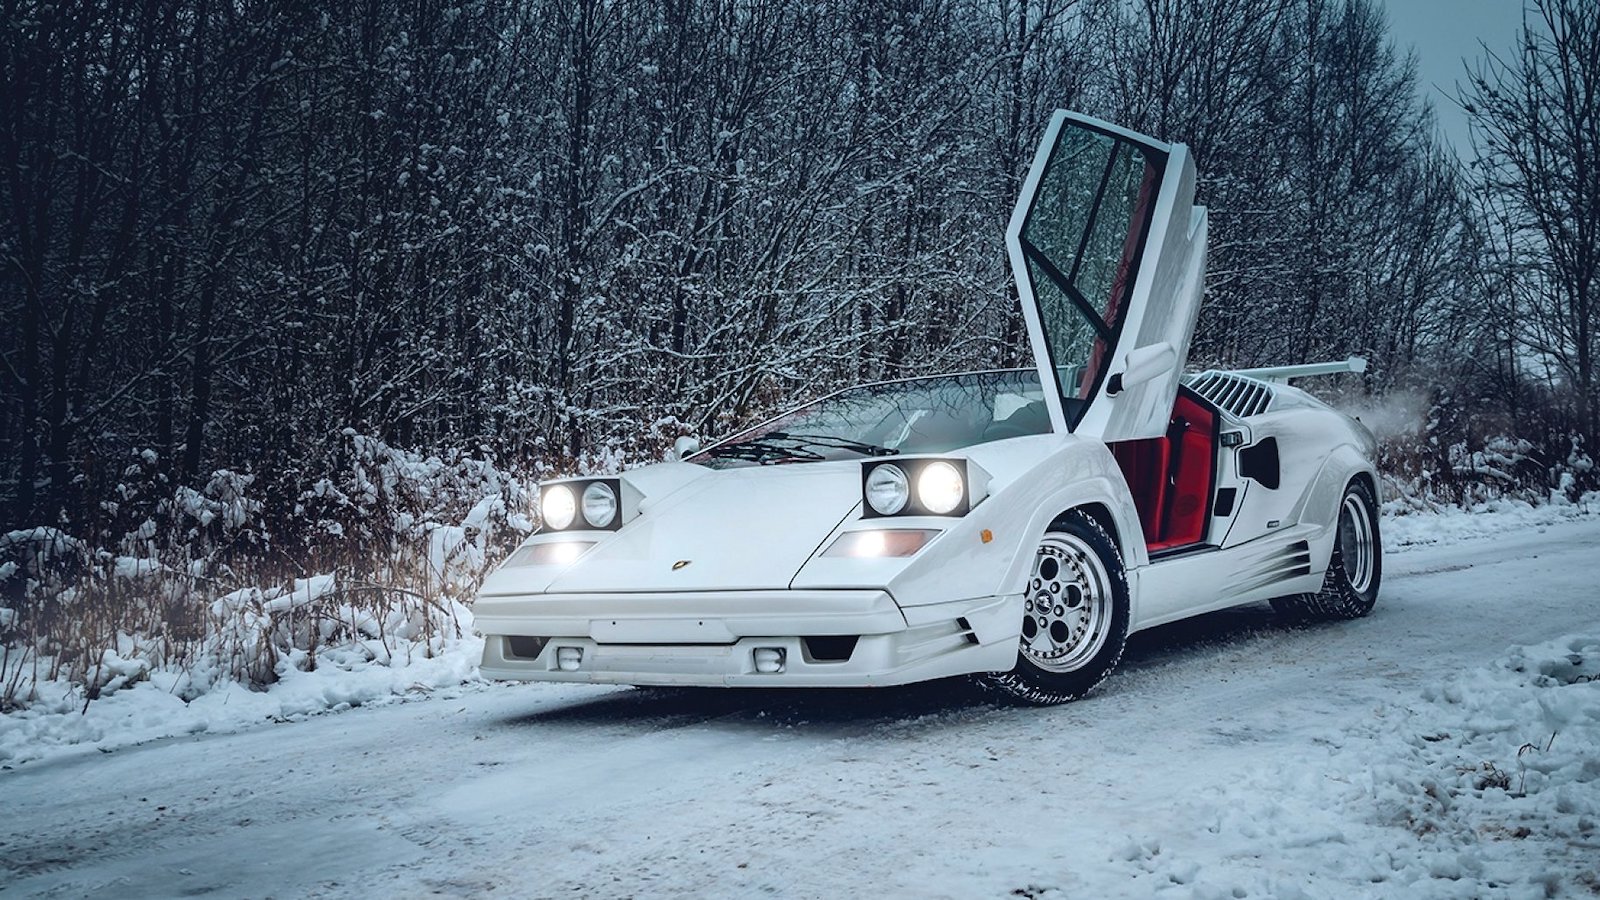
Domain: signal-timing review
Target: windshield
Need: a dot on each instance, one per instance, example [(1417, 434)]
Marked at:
[(922, 415)]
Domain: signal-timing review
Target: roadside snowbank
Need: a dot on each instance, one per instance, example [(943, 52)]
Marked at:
[(1487, 784), (142, 705), (151, 709), (1406, 525)]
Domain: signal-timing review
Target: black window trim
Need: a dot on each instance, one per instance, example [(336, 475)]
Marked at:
[(1094, 212), (1076, 296), (1160, 159)]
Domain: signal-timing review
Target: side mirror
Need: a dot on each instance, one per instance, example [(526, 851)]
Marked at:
[(1141, 365), (682, 447)]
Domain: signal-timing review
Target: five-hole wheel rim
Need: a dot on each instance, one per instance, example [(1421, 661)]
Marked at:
[(1067, 609)]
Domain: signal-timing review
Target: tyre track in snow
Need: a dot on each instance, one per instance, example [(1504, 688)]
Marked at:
[(931, 791)]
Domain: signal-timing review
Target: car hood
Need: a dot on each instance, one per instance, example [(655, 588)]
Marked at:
[(731, 529)]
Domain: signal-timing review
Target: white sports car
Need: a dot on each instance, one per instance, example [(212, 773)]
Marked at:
[(1015, 524)]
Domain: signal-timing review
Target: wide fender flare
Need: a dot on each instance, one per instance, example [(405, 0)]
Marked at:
[(1319, 505), (991, 550), (1103, 487)]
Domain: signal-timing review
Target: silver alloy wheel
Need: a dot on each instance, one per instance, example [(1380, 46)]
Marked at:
[(1067, 613), (1356, 542)]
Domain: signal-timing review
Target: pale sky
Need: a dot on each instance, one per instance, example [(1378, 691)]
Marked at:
[(1442, 32)]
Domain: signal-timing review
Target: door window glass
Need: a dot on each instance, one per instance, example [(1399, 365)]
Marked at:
[(1082, 240)]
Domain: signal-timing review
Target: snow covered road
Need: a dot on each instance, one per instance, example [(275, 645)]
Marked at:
[(1232, 756)]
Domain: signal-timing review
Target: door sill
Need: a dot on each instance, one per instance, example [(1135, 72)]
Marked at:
[(1167, 553)]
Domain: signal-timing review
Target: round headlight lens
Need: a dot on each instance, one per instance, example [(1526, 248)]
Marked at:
[(940, 487), (558, 506), (887, 490), (599, 504)]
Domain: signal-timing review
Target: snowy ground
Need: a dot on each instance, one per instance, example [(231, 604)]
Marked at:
[(1448, 746)]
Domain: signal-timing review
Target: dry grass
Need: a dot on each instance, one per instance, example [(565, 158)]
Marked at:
[(373, 562)]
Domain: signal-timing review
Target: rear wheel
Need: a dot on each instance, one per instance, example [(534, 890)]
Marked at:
[(1355, 569), (1075, 615)]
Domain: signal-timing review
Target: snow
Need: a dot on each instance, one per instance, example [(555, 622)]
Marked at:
[(1446, 746), (131, 567), (1407, 522), (1484, 785), (305, 591), (153, 709), (43, 542)]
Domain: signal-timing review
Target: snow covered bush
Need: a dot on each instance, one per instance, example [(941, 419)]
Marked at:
[(372, 561), (1433, 455)]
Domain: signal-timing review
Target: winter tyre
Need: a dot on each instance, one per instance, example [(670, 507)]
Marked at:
[(1355, 569), (1075, 620)]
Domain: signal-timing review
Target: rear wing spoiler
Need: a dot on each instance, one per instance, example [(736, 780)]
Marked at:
[(1282, 374)]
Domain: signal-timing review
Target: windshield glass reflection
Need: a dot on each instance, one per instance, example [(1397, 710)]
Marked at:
[(921, 415)]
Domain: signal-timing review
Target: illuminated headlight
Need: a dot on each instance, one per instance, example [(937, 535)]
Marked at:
[(941, 488), (594, 504), (922, 487), (887, 489), (599, 504), (558, 506)]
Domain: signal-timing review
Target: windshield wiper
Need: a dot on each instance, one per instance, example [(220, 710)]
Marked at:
[(837, 443), (760, 451), (765, 451)]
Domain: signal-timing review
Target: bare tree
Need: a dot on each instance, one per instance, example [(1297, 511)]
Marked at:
[(525, 227), (1536, 134)]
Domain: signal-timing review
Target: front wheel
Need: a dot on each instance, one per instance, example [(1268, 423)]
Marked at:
[(1075, 615), (1355, 567)]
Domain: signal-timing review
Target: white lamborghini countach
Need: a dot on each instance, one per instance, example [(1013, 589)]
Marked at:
[(1016, 525)]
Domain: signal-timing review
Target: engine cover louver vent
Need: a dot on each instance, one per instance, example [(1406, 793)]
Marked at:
[(1237, 394)]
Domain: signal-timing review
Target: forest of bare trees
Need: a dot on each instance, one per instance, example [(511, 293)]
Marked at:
[(1535, 109), (233, 230), (237, 239)]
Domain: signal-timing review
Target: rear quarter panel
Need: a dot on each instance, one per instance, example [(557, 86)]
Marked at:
[(1319, 450)]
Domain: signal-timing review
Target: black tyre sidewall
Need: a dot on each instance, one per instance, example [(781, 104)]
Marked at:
[(1338, 598), (1032, 684), (1363, 600)]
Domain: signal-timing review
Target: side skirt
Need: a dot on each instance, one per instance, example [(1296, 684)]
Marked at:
[(1290, 561)]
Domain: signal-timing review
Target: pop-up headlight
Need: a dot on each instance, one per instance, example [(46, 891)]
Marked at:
[(599, 504), (558, 506), (921, 487), (588, 504), (887, 490), (941, 488)]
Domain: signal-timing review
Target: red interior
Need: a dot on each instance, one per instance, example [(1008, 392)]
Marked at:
[(1119, 285), (1170, 477)]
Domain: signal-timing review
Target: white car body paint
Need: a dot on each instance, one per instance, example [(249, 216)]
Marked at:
[(713, 564)]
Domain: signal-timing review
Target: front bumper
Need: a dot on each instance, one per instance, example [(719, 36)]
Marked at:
[(711, 638)]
